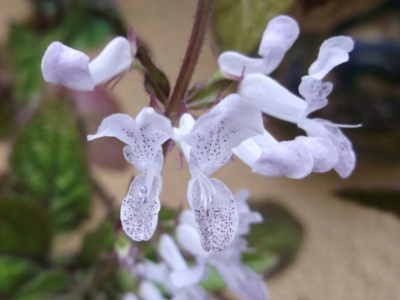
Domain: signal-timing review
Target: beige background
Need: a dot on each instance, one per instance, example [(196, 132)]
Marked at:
[(349, 252)]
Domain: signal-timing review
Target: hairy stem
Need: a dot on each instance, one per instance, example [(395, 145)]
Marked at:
[(199, 31)]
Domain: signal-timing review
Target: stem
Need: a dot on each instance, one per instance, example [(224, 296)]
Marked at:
[(199, 31)]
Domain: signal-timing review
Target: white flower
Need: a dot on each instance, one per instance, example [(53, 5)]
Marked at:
[(278, 37), (71, 68), (207, 144), (326, 147), (144, 137)]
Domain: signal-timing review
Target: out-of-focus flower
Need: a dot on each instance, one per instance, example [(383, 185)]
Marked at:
[(71, 68)]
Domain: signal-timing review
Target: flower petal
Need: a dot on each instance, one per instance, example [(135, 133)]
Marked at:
[(182, 278), (237, 65), (278, 37), (68, 67), (272, 98), (325, 129), (148, 291), (193, 292), (291, 159), (246, 216), (218, 222), (115, 58), (139, 214), (170, 253), (223, 128), (189, 239), (332, 53), (324, 153), (314, 92)]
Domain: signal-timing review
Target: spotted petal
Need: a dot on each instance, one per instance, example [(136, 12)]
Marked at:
[(218, 221), (227, 125), (291, 159), (272, 98), (325, 129), (68, 67), (139, 214), (278, 37), (332, 53), (314, 92)]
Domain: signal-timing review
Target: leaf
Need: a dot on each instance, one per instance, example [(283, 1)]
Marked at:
[(276, 241), (383, 198), (48, 161), (14, 271), (239, 25), (155, 81), (45, 284), (203, 95), (214, 281), (24, 229), (96, 243)]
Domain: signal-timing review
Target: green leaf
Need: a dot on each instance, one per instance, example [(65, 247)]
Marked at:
[(155, 81), (14, 271), (48, 160), (214, 282), (206, 94), (24, 229), (96, 243), (276, 241), (384, 198), (239, 25), (43, 286)]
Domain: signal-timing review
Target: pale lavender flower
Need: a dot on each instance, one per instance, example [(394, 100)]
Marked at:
[(207, 144), (144, 137), (326, 147), (71, 68), (278, 37)]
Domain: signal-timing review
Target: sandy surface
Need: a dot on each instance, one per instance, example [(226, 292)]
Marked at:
[(349, 252)]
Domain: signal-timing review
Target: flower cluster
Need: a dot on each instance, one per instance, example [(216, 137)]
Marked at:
[(234, 125)]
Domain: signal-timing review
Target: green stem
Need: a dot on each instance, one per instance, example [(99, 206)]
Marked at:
[(199, 31)]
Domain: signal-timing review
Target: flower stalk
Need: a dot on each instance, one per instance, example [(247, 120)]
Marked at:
[(199, 31)]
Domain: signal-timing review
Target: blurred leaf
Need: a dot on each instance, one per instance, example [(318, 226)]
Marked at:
[(202, 95), (49, 162), (96, 243), (24, 229), (14, 271), (239, 25), (214, 282), (43, 286), (384, 198), (155, 81), (276, 241)]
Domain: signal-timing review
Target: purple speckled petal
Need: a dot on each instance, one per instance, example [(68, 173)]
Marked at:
[(139, 213), (314, 91), (217, 221)]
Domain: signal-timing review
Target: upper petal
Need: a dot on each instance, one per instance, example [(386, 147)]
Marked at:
[(68, 67), (139, 213), (115, 58), (272, 98), (237, 65), (332, 53), (278, 37), (223, 128), (218, 221)]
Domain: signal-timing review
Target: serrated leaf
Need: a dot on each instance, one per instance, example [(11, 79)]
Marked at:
[(384, 198), (14, 271), (276, 241), (239, 25), (155, 82), (43, 286), (24, 229), (48, 161)]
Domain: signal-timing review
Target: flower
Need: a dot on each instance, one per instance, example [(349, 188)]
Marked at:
[(239, 278), (326, 147), (144, 137), (71, 68), (278, 37), (207, 144)]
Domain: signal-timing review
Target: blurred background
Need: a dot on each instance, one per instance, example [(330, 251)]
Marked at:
[(323, 237)]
